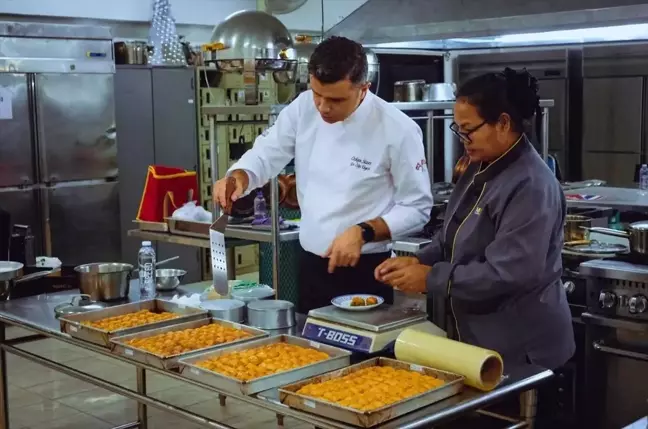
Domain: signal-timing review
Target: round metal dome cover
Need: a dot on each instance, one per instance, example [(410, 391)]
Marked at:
[(251, 34)]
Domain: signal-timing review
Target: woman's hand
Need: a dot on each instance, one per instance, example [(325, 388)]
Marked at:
[(409, 279), (393, 264)]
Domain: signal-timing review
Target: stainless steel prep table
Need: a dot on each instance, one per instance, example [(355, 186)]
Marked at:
[(36, 314)]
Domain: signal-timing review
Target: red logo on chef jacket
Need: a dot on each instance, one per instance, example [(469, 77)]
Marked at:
[(421, 165)]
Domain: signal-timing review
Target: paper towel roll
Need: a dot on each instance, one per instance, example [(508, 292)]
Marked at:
[(482, 368)]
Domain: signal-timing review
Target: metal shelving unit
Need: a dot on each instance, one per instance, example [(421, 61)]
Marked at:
[(431, 106)]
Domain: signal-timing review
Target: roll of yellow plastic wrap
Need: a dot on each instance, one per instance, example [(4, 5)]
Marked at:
[(482, 368)]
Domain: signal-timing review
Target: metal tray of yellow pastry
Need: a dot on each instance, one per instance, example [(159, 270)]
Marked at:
[(121, 346), (453, 384), (338, 358), (75, 327)]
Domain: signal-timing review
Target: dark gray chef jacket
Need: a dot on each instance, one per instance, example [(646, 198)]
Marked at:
[(498, 260)]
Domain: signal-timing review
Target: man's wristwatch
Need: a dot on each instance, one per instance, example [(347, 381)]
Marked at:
[(368, 233)]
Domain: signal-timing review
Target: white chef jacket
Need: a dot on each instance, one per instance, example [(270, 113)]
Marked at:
[(370, 165)]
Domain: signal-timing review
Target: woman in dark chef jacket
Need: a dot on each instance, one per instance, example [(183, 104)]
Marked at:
[(497, 258)]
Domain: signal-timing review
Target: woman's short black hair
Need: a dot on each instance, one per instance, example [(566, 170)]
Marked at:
[(338, 58), (514, 92)]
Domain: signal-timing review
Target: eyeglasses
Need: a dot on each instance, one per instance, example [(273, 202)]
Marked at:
[(464, 136)]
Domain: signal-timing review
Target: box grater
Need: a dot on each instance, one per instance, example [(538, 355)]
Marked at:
[(219, 255)]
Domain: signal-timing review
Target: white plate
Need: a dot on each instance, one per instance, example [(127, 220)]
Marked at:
[(344, 302)]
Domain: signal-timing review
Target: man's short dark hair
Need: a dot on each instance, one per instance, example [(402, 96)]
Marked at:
[(338, 58)]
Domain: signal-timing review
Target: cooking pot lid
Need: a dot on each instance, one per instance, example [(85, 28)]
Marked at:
[(598, 248), (79, 304), (9, 270), (643, 225)]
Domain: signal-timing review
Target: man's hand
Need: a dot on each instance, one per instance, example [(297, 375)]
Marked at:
[(229, 189), (393, 264), (408, 279), (346, 249)]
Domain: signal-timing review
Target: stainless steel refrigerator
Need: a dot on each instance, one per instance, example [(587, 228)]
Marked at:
[(58, 150)]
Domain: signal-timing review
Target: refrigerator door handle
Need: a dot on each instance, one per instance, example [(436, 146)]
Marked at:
[(47, 230), (39, 141)]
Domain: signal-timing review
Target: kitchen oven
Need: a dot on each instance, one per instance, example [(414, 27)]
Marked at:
[(616, 335)]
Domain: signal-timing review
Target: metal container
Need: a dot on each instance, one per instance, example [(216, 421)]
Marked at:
[(577, 228), (339, 358), (73, 326), (409, 90), (11, 276), (188, 228), (453, 385), (132, 52), (225, 309), (105, 281), (168, 279), (439, 92), (636, 233), (271, 314), (171, 362)]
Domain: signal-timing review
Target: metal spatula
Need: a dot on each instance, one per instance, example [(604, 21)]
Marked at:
[(218, 255)]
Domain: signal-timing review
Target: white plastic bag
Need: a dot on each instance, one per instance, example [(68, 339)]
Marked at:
[(192, 212)]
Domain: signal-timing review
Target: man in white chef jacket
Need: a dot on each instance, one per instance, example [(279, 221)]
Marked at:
[(361, 173)]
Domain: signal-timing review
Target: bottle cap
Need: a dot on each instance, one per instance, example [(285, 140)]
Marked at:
[(146, 243)]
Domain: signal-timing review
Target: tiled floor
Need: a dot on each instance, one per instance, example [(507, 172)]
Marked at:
[(41, 398)]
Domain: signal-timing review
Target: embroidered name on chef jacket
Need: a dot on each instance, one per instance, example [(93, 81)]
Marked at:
[(360, 163)]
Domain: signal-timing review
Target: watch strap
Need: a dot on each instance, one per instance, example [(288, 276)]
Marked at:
[(368, 233)]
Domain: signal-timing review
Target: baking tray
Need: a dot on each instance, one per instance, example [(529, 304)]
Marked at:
[(188, 228), (288, 395), (171, 362), (72, 324), (338, 358), (152, 226)]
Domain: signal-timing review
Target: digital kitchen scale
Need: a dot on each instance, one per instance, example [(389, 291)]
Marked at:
[(364, 331)]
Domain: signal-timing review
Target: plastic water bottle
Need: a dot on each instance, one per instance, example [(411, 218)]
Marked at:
[(643, 178), (146, 260), (260, 207)]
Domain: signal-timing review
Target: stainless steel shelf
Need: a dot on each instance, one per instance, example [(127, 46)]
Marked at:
[(443, 105), (234, 110), (248, 235)]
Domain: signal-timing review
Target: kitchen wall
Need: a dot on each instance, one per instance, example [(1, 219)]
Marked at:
[(188, 13)]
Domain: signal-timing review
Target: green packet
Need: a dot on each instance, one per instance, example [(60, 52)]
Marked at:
[(243, 285)]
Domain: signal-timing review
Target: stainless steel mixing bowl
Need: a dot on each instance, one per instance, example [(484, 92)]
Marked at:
[(168, 278)]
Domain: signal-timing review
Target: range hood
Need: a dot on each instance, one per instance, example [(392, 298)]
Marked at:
[(461, 24)]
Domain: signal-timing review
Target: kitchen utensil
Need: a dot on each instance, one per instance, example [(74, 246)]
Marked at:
[(408, 90), (168, 279), (78, 304), (11, 275), (219, 255), (439, 92), (597, 248), (576, 228), (253, 294), (132, 52), (105, 281), (271, 314), (225, 309), (344, 302), (636, 233)]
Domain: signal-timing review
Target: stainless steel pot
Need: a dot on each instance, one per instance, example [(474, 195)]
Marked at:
[(11, 276), (226, 309), (105, 281), (577, 228), (271, 314), (636, 233), (132, 52), (408, 90), (439, 92)]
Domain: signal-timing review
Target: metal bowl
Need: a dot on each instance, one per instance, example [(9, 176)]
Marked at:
[(168, 278), (105, 281), (271, 314)]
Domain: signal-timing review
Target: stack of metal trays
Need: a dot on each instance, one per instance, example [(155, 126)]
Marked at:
[(338, 358), (73, 324), (121, 346)]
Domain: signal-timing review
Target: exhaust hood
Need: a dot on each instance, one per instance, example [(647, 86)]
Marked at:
[(470, 24)]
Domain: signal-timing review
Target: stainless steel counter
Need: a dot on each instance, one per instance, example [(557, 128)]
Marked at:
[(618, 198), (37, 314), (248, 235)]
